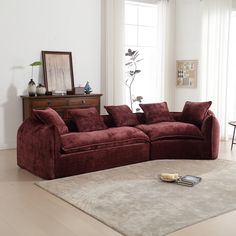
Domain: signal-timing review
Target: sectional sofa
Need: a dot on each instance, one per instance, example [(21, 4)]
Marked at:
[(49, 149)]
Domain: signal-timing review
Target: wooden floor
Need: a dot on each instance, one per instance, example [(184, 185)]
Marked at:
[(27, 210)]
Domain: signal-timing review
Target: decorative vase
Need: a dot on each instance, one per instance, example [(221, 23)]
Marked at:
[(31, 88), (87, 88), (40, 90)]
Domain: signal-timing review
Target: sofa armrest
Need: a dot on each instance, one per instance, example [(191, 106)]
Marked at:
[(211, 132), (38, 147)]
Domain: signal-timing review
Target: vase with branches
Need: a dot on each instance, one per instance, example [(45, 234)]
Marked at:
[(31, 84), (131, 72)]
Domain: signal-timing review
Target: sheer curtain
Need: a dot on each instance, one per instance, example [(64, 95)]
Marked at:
[(112, 52), (166, 51), (214, 61), (231, 98)]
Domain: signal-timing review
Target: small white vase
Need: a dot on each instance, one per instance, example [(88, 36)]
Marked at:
[(40, 90), (31, 88)]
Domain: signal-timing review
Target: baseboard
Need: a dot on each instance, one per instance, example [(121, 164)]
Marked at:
[(7, 146)]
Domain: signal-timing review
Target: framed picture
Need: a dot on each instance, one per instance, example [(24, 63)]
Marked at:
[(58, 72), (186, 73)]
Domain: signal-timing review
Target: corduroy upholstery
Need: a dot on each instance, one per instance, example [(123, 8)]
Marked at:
[(42, 150)]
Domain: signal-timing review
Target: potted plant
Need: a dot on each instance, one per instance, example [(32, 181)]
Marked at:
[(31, 84)]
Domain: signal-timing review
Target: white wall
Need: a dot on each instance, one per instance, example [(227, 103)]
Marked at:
[(188, 44), (29, 26), (234, 4)]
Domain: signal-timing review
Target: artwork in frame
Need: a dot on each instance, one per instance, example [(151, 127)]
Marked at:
[(58, 72), (186, 73)]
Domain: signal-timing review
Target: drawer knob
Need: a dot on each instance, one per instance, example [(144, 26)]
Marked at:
[(49, 103), (83, 101)]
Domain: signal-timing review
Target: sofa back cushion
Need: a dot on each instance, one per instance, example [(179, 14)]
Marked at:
[(156, 112), (195, 112), (87, 119), (51, 117), (122, 115)]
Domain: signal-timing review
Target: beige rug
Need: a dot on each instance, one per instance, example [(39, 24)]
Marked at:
[(133, 201)]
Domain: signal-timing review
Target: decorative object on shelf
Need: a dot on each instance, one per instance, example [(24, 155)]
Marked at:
[(131, 72), (87, 88), (58, 71), (79, 90), (186, 73), (59, 92), (40, 90), (31, 88), (31, 84)]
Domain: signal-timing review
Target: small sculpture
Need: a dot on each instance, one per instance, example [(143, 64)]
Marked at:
[(87, 88)]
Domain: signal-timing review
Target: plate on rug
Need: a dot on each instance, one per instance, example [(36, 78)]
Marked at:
[(135, 202)]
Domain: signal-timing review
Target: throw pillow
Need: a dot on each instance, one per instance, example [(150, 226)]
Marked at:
[(156, 112), (87, 119), (51, 117), (122, 115), (195, 112)]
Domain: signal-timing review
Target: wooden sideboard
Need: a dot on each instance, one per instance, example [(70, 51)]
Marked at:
[(59, 103)]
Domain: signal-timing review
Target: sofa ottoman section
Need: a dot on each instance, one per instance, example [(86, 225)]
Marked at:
[(48, 154), (179, 140)]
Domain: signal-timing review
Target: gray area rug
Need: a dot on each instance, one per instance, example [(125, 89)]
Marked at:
[(133, 201)]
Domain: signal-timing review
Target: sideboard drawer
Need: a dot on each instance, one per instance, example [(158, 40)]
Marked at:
[(49, 103), (84, 102)]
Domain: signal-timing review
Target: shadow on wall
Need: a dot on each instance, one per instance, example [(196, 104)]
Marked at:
[(10, 118), (12, 107)]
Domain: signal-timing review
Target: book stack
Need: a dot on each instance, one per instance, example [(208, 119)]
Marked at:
[(189, 180)]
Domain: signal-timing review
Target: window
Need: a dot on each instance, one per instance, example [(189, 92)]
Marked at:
[(141, 35)]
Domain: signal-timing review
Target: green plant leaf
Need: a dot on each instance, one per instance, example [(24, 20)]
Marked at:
[(36, 63)]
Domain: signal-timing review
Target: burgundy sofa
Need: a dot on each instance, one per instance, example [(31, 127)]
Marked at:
[(44, 152)]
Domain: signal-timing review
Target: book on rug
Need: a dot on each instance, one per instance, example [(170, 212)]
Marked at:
[(189, 180)]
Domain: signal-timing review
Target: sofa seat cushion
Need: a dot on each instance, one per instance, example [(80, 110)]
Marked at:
[(112, 137), (171, 130)]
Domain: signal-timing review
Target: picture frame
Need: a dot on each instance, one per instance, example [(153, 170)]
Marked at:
[(186, 73), (58, 72)]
